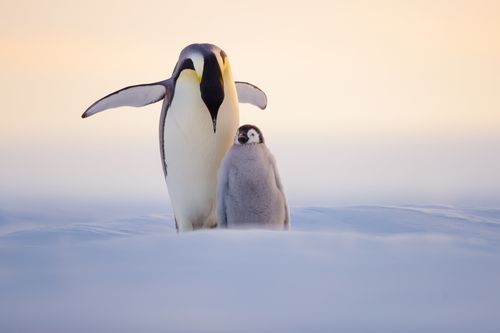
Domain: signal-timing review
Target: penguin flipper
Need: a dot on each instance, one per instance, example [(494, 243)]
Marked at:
[(279, 185), (248, 93), (137, 95)]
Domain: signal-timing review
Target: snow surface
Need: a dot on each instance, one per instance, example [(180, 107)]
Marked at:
[(344, 269)]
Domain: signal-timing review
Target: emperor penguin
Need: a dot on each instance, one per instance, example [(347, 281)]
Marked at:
[(249, 190), (197, 123)]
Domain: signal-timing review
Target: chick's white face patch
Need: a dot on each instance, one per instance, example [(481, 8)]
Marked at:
[(253, 136), (244, 137)]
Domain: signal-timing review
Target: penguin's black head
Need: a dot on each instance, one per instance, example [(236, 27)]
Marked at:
[(248, 134), (209, 63)]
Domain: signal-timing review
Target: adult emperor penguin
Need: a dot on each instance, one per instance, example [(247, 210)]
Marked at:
[(197, 124), (249, 190)]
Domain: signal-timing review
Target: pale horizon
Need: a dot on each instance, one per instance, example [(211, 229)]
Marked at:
[(386, 103)]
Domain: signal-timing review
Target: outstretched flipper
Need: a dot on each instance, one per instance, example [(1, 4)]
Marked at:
[(248, 93), (138, 95)]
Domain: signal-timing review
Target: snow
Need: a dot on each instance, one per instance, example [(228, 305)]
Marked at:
[(346, 269)]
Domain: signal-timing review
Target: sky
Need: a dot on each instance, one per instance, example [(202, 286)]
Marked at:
[(370, 102)]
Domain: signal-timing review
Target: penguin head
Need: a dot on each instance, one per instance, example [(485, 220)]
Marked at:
[(248, 134), (209, 62)]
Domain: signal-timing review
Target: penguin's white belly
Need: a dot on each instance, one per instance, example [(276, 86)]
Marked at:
[(193, 151)]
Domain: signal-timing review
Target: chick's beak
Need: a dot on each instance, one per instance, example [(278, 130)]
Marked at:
[(242, 138)]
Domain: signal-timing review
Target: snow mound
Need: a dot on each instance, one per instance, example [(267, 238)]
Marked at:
[(350, 269)]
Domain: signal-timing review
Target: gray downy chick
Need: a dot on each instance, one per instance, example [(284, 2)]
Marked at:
[(249, 190)]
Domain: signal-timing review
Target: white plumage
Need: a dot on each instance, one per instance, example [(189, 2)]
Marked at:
[(193, 151)]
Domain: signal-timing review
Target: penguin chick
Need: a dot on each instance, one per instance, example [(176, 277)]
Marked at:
[(249, 189)]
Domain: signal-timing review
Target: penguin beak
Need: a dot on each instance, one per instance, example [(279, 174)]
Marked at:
[(212, 87), (242, 137), (198, 74)]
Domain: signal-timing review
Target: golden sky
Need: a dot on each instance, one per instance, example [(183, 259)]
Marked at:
[(356, 75)]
